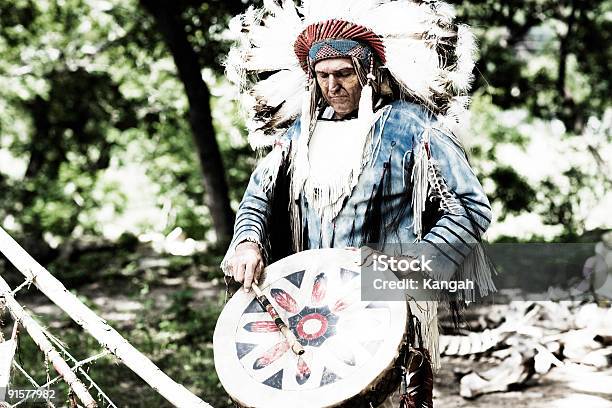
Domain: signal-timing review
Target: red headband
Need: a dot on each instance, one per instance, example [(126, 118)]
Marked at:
[(336, 29)]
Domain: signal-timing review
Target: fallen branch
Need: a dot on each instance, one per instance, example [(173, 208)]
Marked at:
[(108, 337)]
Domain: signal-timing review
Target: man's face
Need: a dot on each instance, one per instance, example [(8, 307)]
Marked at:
[(340, 85)]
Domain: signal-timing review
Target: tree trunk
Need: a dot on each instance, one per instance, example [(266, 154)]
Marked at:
[(564, 52), (567, 106), (216, 195)]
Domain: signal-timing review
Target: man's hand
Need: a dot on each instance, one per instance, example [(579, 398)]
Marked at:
[(247, 264)]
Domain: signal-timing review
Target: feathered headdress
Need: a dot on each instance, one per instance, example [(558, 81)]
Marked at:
[(428, 57)]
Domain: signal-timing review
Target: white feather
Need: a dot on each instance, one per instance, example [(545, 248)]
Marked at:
[(413, 65), (259, 140), (235, 26), (272, 6), (402, 19), (352, 10), (233, 69), (457, 118), (446, 12), (251, 16), (275, 90), (466, 54), (457, 109)]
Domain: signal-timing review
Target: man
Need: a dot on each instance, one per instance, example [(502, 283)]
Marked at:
[(338, 81), (371, 159)]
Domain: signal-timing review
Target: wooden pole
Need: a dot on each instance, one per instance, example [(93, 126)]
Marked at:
[(7, 354), (39, 337), (108, 337)]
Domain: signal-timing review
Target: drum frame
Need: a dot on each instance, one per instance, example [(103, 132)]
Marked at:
[(357, 390)]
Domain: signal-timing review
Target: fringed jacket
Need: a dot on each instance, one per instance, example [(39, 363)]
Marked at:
[(416, 186)]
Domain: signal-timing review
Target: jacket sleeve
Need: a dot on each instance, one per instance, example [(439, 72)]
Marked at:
[(454, 242), (253, 215), (467, 212)]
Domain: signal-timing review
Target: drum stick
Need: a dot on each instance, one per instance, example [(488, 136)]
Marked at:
[(265, 303)]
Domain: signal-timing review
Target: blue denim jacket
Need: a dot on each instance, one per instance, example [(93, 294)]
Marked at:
[(382, 201)]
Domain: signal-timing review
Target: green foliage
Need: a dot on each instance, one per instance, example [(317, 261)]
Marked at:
[(91, 88), (62, 106), (532, 166), (517, 194), (547, 56)]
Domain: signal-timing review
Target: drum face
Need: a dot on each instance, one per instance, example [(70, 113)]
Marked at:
[(349, 343)]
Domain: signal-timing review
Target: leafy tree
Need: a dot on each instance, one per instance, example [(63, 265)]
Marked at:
[(174, 20), (548, 56), (60, 109), (543, 61), (85, 81)]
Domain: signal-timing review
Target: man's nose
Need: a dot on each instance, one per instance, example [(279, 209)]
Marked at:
[(333, 84)]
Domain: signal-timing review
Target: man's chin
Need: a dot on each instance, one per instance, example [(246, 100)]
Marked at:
[(342, 110)]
